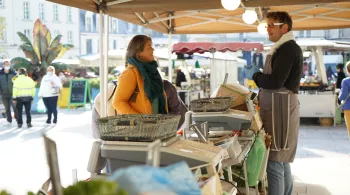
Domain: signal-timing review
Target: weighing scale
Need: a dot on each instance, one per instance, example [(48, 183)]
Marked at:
[(121, 154)]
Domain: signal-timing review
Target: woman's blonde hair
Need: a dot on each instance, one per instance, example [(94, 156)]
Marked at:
[(347, 65), (136, 45), (52, 68)]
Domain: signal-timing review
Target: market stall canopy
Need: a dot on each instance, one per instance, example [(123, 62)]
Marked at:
[(201, 47), (117, 57), (209, 17), (327, 45)]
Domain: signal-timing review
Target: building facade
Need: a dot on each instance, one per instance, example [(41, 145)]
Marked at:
[(120, 33), (20, 16), (81, 28)]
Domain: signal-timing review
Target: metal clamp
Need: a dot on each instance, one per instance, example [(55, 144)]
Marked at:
[(153, 153), (199, 133)]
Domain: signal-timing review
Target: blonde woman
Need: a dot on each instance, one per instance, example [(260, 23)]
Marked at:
[(50, 88)]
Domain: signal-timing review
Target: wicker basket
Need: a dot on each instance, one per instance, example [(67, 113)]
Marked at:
[(137, 127), (218, 104), (326, 122)]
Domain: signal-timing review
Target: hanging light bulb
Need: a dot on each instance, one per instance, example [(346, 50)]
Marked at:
[(249, 16), (231, 4), (262, 28)]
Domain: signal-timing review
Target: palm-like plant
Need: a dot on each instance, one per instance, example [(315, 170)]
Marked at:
[(42, 52)]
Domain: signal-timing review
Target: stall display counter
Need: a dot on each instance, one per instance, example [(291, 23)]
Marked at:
[(121, 154), (318, 104)]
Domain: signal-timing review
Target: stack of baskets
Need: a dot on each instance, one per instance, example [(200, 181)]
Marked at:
[(138, 127), (219, 104)]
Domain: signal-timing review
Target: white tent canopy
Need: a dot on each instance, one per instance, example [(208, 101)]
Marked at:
[(115, 59), (220, 68)]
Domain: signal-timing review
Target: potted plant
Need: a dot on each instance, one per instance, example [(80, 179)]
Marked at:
[(95, 87), (40, 53), (64, 96)]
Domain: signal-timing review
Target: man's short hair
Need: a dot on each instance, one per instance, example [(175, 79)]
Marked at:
[(22, 71), (282, 17), (340, 66), (6, 62)]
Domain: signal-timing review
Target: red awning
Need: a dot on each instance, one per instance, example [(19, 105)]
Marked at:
[(201, 47)]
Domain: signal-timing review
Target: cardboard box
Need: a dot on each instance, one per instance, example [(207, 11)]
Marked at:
[(211, 179), (256, 122), (233, 90), (213, 186)]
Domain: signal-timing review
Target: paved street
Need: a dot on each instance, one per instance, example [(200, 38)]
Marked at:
[(322, 166), (23, 163)]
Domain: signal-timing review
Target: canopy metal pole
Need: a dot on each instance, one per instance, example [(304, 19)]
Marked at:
[(103, 111), (104, 76), (321, 69), (212, 83), (170, 64)]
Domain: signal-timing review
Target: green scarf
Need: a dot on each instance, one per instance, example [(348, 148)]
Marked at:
[(152, 81)]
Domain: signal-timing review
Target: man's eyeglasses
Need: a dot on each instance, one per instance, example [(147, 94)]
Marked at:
[(271, 25)]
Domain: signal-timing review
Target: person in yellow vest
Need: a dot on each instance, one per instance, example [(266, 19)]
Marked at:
[(23, 93)]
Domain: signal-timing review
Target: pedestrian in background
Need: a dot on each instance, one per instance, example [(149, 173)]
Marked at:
[(50, 88), (344, 97), (6, 87), (340, 76), (23, 94), (180, 78)]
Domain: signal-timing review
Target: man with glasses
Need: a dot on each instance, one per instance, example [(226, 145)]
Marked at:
[(278, 99), (6, 87)]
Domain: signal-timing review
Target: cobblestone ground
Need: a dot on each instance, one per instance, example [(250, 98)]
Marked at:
[(321, 167)]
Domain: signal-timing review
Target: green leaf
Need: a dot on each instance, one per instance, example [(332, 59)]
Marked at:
[(44, 65), (2, 27), (21, 63), (24, 39), (65, 48), (40, 39), (59, 66), (94, 187), (29, 53), (28, 49), (3, 192), (53, 53), (56, 41), (48, 37), (43, 43)]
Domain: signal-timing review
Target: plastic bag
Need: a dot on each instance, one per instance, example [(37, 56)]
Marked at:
[(41, 106), (234, 149), (176, 178), (255, 160)]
